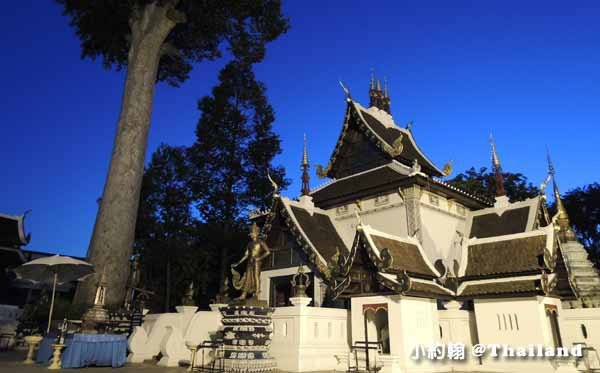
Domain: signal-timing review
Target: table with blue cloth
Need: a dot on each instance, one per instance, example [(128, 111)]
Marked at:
[(83, 350)]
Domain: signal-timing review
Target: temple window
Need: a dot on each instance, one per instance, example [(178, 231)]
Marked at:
[(434, 200), (341, 210)]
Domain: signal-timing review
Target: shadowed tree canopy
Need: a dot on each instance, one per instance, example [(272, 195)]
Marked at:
[(155, 40), (483, 183), (233, 152), (198, 30)]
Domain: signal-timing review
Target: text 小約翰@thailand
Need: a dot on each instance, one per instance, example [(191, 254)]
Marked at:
[(459, 351)]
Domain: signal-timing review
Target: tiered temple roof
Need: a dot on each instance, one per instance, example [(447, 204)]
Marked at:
[(370, 138), (506, 249)]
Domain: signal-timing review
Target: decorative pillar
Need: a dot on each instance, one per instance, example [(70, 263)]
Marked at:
[(412, 201)]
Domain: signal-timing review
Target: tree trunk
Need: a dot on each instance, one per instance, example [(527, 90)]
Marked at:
[(168, 287), (112, 240)]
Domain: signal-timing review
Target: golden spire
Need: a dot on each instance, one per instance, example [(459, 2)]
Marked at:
[(495, 159), (305, 189), (385, 87), (372, 79), (305, 153), (497, 169), (561, 217)]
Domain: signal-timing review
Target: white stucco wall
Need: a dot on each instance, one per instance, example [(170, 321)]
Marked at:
[(516, 322), (571, 321), (440, 239), (308, 339), (412, 322), (388, 216)]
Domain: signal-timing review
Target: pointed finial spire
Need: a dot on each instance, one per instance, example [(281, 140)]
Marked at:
[(385, 88), (550, 164), (379, 85), (495, 159), (346, 91), (498, 170), (305, 153), (305, 190), (561, 217), (372, 85)]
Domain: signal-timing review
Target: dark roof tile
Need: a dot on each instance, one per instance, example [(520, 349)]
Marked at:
[(406, 256), (491, 225), (320, 231), (505, 257)]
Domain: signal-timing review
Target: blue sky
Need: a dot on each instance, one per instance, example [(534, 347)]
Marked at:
[(527, 71)]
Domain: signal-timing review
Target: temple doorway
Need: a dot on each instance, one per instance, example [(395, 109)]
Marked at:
[(552, 315), (377, 325)]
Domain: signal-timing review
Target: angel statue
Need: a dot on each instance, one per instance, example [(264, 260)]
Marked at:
[(256, 251)]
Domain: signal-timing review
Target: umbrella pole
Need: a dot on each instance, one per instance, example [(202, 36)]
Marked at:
[(52, 302)]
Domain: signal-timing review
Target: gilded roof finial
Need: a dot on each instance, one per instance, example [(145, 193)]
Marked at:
[(495, 159), (305, 153), (305, 190), (372, 86), (385, 88), (346, 91), (497, 169), (561, 217)]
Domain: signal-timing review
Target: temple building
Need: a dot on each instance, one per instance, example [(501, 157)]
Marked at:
[(387, 235), (395, 260)]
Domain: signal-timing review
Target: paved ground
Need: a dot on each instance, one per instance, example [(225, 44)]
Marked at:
[(10, 361)]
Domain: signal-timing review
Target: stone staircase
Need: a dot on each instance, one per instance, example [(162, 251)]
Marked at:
[(585, 276)]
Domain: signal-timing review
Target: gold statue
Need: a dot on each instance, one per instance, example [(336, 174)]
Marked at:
[(256, 251)]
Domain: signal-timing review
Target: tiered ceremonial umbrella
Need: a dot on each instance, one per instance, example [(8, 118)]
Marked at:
[(56, 269)]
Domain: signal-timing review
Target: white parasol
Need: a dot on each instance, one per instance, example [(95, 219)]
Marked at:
[(58, 269)]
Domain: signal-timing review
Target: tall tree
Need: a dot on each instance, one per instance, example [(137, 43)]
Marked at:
[(233, 152), (483, 183), (166, 234), (583, 207), (155, 40)]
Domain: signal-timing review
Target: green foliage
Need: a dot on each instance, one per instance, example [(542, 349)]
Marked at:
[(193, 211), (483, 183), (234, 148), (583, 206), (203, 30), (166, 234), (232, 154)]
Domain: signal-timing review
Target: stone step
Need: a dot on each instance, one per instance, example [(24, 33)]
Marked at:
[(585, 273)]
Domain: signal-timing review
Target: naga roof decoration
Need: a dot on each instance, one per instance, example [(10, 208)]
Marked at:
[(378, 127)]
